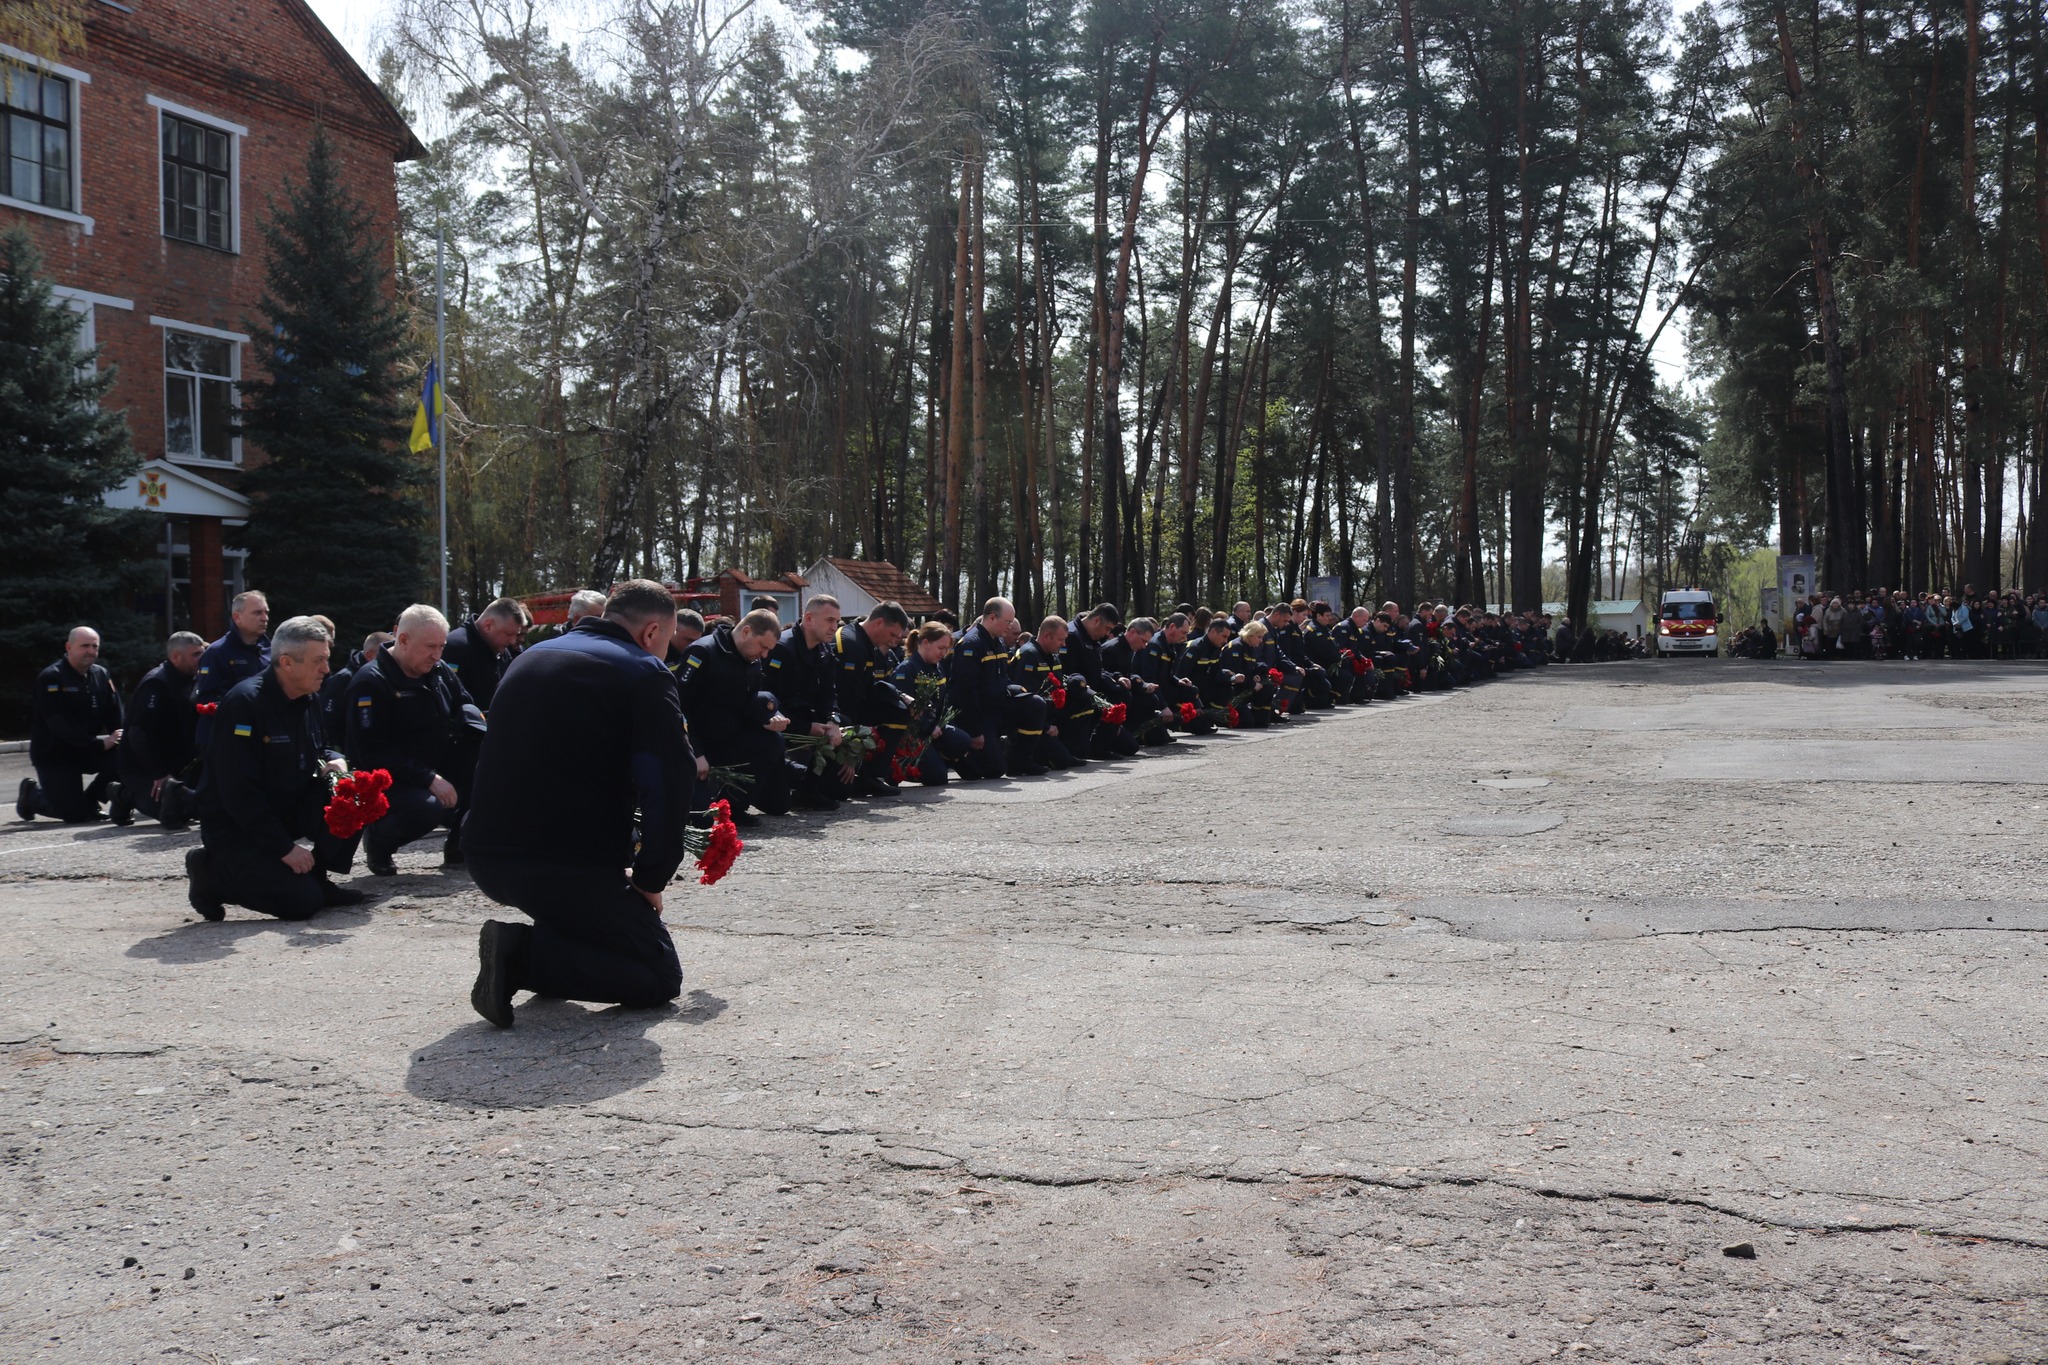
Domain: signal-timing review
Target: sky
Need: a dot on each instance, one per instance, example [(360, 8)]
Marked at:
[(352, 21), (355, 23)]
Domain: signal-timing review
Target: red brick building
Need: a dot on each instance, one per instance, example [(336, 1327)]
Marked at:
[(145, 168)]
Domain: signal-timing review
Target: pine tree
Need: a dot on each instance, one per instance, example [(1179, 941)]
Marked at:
[(66, 558), (338, 525)]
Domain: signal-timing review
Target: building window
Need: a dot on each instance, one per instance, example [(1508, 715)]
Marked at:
[(199, 397), (36, 121), (198, 183)]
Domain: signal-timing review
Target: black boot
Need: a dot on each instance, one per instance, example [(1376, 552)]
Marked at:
[(199, 891), (120, 809), (25, 799), (501, 954), (332, 895), (175, 805)]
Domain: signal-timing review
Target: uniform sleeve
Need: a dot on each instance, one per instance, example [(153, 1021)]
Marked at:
[(149, 724), (213, 680), (234, 768), (663, 774), (115, 711)]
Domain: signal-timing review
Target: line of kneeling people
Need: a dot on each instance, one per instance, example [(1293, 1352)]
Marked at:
[(991, 700), (998, 698), (256, 764)]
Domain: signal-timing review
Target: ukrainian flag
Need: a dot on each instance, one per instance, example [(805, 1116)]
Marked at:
[(426, 420)]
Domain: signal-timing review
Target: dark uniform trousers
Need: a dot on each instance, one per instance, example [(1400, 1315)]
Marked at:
[(62, 792), (256, 881), (594, 937), (415, 813), (759, 753), (951, 745)]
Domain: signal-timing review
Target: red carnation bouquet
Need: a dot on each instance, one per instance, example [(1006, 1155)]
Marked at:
[(1189, 712), (716, 848), (1276, 675), (207, 708), (1230, 713), (1059, 692), (358, 802), (1115, 715)]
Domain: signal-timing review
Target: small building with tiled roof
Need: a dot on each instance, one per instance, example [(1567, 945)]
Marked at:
[(861, 585)]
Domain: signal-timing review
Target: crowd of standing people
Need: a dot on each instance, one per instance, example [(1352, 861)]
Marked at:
[(1883, 624)]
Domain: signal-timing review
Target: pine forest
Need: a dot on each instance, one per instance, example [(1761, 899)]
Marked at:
[(1164, 301)]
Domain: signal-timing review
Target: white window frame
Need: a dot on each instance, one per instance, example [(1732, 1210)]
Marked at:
[(236, 132), (240, 339), (79, 80), (87, 304)]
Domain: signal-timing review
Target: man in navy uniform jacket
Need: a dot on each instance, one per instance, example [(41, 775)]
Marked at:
[(264, 843), (74, 724), (582, 797), (240, 654), (403, 712), (156, 744), (480, 652)]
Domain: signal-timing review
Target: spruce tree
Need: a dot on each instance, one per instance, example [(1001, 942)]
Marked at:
[(66, 558), (339, 524)]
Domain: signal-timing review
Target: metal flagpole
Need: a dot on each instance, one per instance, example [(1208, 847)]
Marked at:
[(436, 417)]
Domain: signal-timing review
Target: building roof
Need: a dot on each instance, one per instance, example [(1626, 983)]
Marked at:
[(884, 582), (375, 102), (168, 489), (788, 582)]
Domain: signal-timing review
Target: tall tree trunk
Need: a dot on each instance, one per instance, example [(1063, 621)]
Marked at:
[(1405, 547), (1115, 569), (984, 565), (957, 400), (1975, 325), (1847, 565), (1468, 578), (1921, 525)]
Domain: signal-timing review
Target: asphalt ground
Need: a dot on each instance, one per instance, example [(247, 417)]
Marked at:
[(1469, 1027)]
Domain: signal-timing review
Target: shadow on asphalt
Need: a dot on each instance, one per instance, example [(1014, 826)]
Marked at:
[(559, 1053), (200, 941)]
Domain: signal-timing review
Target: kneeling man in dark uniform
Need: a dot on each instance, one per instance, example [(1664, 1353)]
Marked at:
[(74, 724), (586, 732), (404, 713), (264, 842), (156, 748)]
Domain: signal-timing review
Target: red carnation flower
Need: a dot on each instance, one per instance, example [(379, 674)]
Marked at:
[(1059, 698), (1360, 664), (207, 708), (1231, 715), (358, 802), (1276, 675), (723, 847), (1114, 715), (1188, 712)]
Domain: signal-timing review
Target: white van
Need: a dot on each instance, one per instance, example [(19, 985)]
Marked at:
[(1687, 623)]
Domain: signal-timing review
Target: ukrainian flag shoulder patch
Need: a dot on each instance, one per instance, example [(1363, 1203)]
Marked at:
[(244, 731)]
